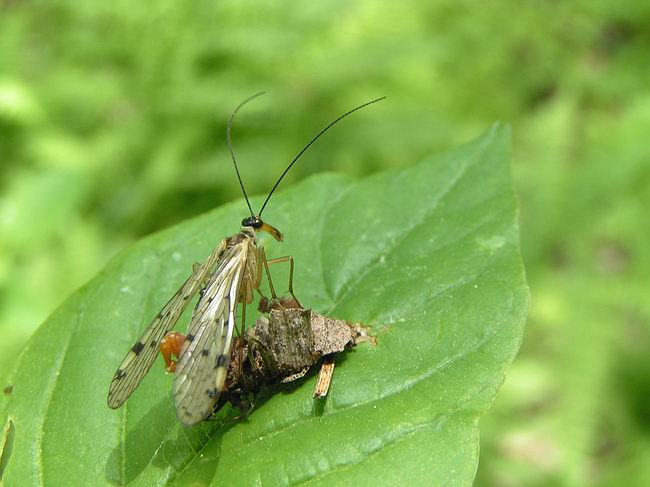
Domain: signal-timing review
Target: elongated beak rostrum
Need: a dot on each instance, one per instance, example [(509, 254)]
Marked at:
[(260, 226)]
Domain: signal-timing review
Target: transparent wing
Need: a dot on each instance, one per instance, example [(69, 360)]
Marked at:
[(206, 352), (194, 372), (143, 353), (215, 290)]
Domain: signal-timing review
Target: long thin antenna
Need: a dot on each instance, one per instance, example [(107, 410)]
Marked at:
[(310, 143), (232, 153)]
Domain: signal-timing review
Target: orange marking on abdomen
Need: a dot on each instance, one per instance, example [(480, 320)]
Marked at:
[(170, 345)]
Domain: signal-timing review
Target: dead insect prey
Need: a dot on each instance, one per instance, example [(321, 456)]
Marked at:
[(284, 346), (230, 275)]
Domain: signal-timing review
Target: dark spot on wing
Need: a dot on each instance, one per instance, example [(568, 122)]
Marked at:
[(137, 348), (120, 374), (221, 360), (205, 352), (153, 343), (189, 338)]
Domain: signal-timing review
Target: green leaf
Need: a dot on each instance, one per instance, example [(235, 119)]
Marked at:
[(427, 255)]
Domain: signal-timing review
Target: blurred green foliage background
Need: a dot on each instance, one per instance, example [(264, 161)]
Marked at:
[(112, 125)]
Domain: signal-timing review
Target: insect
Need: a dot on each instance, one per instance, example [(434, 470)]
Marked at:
[(226, 278), (282, 346)]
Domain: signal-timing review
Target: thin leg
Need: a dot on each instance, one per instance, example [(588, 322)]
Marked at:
[(268, 273), (243, 319), (242, 404), (285, 259), (324, 377)]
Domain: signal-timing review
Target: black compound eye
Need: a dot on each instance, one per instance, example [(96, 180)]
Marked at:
[(252, 221)]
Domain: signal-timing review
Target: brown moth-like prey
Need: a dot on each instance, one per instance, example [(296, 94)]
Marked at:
[(227, 277)]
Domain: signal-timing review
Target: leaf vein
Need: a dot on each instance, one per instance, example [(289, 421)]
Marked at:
[(395, 242)]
